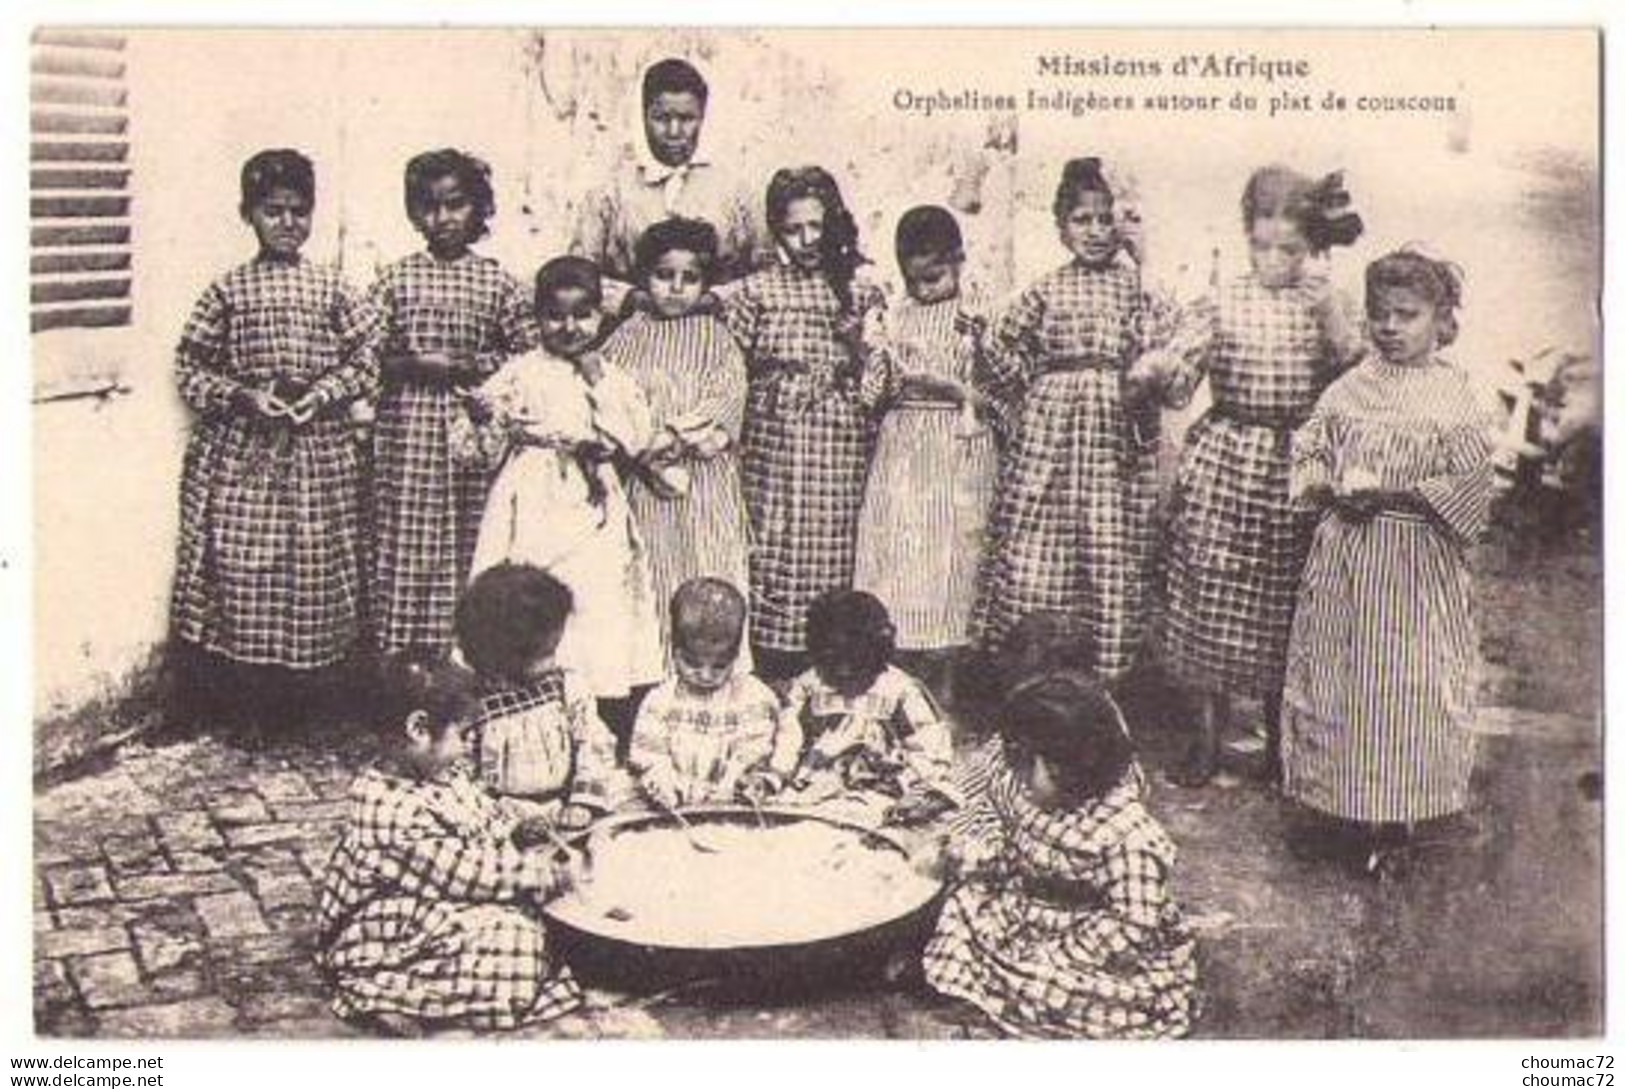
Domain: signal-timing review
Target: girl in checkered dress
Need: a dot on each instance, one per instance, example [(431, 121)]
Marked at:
[(1070, 525), (1268, 344), (560, 421), (269, 571), (427, 911), (702, 729), (1381, 669), (685, 493), (1059, 923), (816, 373), (452, 317)]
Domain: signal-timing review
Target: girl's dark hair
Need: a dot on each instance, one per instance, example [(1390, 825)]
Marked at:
[(1319, 208), (850, 626), (840, 239), (510, 616), (1439, 282), (695, 236), (1046, 641), (929, 230), (673, 76), (567, 272), (471, 173), (276, 168), (1069, 719), (708, 608), (425, 680), (1079, 176)]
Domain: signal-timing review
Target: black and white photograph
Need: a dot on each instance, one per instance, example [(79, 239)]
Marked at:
[(860, 533)]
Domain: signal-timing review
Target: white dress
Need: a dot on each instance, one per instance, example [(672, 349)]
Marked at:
[(557, 506)]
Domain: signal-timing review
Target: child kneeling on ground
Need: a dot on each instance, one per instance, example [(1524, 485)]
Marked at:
[(426, 911)]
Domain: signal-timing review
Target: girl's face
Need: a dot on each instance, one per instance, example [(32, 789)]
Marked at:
[(705, 664), (1089, 229), (570, 320), (444, 216), (1278, 250), (1404, 325), (676, 282), (931, 277), (672, 125), (281, 222), (431, 754), (849, 678), (801, 232)]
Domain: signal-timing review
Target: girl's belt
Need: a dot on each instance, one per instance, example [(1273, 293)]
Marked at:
[(1286, 421)]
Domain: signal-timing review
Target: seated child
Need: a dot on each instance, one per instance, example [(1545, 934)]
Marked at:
[(863, 740), (702, 729), (422, 916), (539, 736), (1060, 923)]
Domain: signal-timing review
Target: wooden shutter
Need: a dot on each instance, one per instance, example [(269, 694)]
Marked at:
[(79, 181)]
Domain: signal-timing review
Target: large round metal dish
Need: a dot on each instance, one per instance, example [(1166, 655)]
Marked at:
[(787, 901)]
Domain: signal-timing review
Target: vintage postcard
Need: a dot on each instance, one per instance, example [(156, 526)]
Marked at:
[(912, 533)]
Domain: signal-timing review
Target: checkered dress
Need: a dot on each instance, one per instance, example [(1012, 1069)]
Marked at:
[(427, 505), (1063, 926), (426, 909), (693, 376), (269, 569), (1070, 526), (543, 740), (807, 435), (696, 745), (853, 756), (1237, 544)]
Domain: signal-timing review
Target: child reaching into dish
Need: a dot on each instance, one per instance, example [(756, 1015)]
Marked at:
[(539, 737), (423, 919), (704, 727), (1060, 922), (862, 739)]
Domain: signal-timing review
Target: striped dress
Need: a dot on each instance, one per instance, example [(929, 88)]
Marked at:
[(1063, 925), (693, 376), (925, 508), (269, 569), (1237, 543), (426, 506), (1070, 528), (1380, 673), (806, 442)]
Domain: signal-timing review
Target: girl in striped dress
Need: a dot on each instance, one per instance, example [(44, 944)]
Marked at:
[(269, 570), (685, 494), (1380, 674), (920, 533), (452, 317), (1268, 344), (1059, 923), (816, 372), (1070, 526)]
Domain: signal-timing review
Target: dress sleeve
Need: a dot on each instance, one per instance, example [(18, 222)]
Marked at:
[(1188, 348), (436, 861), (975, 832), (1312, 464), (1011, 359), (1135, 891), (651, 748), (359, 328), (724, 398), (742, 313), (878, 368), (621, 411), (200, 357), (926, 742), (599, 782), (516, 329), (788, 738), (1460, 495)]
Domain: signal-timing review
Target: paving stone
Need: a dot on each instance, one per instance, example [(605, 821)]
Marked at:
[(188, 830), (194, 862), (239, 807), (43, 921), (159, 953), (284, 786), (244, 982), (183, 980), (266, 948), (96, 915), (71, 943), (269, 858), (71, 1022), (231, 915), (134, 853), (175, 885), (78, 884), (51, 983), (260, 1007), (42, 900), (108, 979), (279, 890), (258, 835), (322, 1026), (195, 1018), (316, 812), (293, 919)]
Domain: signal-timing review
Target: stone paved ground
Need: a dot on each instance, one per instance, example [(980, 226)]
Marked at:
[(173, 896)]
